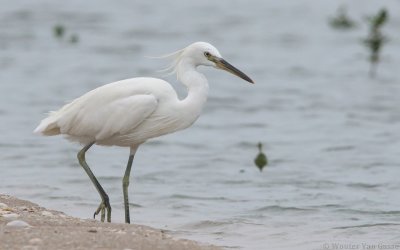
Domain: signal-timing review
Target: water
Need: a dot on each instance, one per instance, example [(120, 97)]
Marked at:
[(331, 133)]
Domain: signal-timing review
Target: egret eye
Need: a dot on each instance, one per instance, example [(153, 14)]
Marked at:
[(207, 54)]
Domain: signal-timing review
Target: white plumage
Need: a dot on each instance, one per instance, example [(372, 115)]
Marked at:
[(128, 112), (122, 113)]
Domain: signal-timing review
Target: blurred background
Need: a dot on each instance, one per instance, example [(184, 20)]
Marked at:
[(329, 128)]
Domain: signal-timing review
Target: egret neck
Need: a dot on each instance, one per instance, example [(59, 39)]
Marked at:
[(197, 87)]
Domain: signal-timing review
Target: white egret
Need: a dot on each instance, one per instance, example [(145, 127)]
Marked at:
[(127, 113)]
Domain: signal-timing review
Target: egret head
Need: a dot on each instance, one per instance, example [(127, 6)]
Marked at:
[(202, 53)]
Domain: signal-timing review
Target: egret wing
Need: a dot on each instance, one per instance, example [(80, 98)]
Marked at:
[(119, 116)]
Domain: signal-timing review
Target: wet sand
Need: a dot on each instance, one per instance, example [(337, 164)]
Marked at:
[(25, 225)]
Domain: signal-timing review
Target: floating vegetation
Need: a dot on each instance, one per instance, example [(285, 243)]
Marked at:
[(74, 38), (59, 31), (342, 20), (374, 43), (375, 40), (377, 21), (261, 159)]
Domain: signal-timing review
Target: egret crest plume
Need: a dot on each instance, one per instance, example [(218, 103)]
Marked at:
[(174, 57)]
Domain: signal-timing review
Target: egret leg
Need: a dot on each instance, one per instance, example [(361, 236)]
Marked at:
[(125, 183), (105, 202)]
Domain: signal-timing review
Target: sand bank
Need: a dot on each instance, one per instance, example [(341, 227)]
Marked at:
[(25, 225)]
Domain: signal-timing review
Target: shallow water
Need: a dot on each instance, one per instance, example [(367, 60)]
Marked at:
[(330, 132)]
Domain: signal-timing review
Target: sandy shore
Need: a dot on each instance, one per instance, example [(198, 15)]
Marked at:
[(25, 225)]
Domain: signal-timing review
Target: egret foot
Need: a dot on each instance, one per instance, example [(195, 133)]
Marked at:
[(103, 208)]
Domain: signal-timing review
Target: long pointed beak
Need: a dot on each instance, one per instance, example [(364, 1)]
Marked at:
[(222, 64)]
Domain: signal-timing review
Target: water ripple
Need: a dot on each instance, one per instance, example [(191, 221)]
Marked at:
[(191, 197), (368, 212), (277, 208), (368, 225)]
